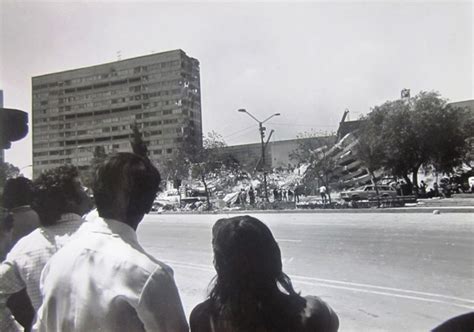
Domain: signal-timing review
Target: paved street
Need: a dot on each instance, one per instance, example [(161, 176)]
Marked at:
[(379, 271)]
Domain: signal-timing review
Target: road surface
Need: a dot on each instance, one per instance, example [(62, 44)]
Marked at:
[(379, 271)]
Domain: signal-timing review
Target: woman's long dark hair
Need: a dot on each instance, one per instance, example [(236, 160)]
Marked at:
[(250, 290)]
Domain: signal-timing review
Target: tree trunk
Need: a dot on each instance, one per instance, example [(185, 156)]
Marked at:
[(415, 177), (203, 179)]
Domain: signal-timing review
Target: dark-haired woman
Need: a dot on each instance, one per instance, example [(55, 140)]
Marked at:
[(250, 291)]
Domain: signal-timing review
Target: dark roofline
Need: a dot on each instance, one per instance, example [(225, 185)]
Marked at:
[(112, 62)]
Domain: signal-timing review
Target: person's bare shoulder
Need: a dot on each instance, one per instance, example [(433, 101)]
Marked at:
[(199, 319), (319, 316)]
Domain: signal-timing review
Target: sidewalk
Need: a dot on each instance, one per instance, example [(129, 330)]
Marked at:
[(461, 203)]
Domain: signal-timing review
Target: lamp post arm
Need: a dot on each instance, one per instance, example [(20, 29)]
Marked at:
[(271, 116), (250, 114)]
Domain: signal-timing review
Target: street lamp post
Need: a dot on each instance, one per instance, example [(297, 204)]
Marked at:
[(262, 135)]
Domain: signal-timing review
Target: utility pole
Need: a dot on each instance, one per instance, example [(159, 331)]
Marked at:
[(262, 136)]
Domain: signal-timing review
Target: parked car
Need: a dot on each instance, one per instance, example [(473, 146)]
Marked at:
[(368, 192)]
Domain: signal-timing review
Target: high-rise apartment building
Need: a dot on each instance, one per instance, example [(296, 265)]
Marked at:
[(77, 110)]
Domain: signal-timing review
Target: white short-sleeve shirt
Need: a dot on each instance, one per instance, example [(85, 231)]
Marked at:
[(104, 280)]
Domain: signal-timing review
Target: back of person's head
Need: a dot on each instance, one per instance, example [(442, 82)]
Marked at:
[(249, 269), (125, 186), (58, 191), (17, 192), (245, 252)]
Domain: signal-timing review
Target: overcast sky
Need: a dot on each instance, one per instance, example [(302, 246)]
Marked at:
[(308, 61)]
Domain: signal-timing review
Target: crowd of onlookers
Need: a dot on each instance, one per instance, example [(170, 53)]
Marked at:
[(70, 264), (73, 264)]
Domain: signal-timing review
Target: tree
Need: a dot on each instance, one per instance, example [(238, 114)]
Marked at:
[(448, 150), (312, 150), (321, 168), (139, 146), (369, 149), (209, 160), (420, 131), (307, 143), (7, 171), (177, 167), (97, 159)]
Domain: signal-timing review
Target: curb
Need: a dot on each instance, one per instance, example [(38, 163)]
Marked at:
[(441, 209)]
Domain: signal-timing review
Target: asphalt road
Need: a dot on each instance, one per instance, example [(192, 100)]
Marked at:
[(387, 271)]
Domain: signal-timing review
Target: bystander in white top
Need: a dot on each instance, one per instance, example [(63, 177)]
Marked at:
[(104, 280), (25, 261)]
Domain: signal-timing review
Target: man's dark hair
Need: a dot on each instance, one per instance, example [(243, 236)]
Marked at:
[(125, 174), (17, 192), (56, 192)]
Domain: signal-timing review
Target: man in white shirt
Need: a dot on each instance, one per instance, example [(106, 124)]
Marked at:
[(322, 192), (103, 279), (60, 201)]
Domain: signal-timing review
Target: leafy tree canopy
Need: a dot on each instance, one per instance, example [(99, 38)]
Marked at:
[(7, 171), (138, 144), (403, 135)]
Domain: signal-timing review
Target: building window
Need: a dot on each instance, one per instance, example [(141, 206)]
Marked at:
[(169, 151)]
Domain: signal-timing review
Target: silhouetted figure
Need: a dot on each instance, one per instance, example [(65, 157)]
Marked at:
[(398, 188), (250, 291), (17, 197), (423, 188), (275, 194), (252, 196), (436, 189), (290, 195)]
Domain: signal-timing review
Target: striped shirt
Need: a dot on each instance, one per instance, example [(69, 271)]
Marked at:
[(24, 263)]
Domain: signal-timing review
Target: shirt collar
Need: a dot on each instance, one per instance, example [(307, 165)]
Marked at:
[(69, 217), (21, 208), (113, 227)]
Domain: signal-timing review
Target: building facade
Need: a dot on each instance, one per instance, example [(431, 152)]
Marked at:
[(277, 153), (77, 110)]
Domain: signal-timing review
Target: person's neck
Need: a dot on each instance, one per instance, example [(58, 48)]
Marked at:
[(132, 222)]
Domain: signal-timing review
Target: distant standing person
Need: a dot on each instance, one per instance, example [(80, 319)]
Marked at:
[(243, 197), (423, 187), (104, 280), (398, 188), (322, 192), (275, 194), (436, 189), (252, 196), (299, 190), (251, 292), (290, 195)]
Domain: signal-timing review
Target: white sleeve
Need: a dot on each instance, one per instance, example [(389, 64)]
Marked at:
[(159, 306)]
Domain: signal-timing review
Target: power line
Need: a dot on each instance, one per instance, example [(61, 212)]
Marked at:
[(238, 132)]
